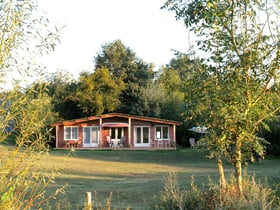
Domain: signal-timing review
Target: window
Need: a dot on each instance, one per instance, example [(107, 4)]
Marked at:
[(90, 136), (162, 132), (142, 135), (71, 132), (116, 133)]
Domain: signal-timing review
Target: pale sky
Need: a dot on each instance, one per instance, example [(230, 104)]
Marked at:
[(141, 25)]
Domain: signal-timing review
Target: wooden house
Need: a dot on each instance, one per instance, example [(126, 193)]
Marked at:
[(116, 130)]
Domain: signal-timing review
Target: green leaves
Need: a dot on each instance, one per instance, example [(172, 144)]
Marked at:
[(229, 95), (124, 65), (99, 92)]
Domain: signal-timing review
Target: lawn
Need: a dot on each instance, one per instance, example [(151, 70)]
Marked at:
[(136, 177)]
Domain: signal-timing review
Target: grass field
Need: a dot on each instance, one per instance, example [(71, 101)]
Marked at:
[(136, 177)]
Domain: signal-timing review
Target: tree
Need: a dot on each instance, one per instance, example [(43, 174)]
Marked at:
[(238, 90), (151, 100), (272, 135), (63, 91), (178, 72), (24, 110), (174, 78), (99, 92), (123, 64)]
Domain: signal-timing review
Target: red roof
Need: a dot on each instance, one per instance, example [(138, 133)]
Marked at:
[(142, 118)]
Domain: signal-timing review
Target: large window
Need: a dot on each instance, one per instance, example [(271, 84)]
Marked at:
[(142, 135), (162, 133), (90, 136), (71, 132)]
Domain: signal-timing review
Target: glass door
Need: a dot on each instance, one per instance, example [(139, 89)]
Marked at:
[(116, 134), (142, 136), (90, 136)]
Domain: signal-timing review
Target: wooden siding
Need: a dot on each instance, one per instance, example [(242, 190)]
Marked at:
[(104, 131)]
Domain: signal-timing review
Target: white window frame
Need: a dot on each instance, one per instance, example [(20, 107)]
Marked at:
[(142, 138), (157, 133), (71, 132), (91, 140)]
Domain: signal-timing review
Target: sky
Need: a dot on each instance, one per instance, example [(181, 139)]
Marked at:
[(152, 33)]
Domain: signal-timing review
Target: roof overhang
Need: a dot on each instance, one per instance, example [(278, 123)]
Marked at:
[(133, 117)]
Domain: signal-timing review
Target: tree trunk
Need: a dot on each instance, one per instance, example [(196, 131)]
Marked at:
[(238, 170), (221, 174)]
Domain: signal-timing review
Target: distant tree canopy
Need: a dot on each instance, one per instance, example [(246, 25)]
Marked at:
[(98, 92), (123, 64), (63, 91), (113, 86)]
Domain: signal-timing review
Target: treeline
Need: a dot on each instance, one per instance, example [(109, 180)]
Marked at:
[(124, 83)]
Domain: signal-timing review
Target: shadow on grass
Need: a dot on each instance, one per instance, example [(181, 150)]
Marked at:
[(138, 156), (135, 177)]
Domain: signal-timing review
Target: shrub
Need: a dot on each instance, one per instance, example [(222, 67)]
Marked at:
[(256, 196)]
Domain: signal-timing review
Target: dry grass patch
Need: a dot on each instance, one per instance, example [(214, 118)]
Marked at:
[(134, 177)]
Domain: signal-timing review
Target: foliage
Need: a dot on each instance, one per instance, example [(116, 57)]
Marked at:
[(238, 89), (272, 135), (98, 92), (27, 115), (63, 91), (276, 187), (123, 64), (21, 186), (25, 112), (115, 85), (174, 78), (179, 71), (94, 94), (257, 196), (151, 100)]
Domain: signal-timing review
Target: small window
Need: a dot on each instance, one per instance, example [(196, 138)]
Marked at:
[(71, 132), (162, 132)]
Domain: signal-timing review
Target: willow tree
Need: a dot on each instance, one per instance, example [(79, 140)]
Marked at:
[(238, 90), (24, 111)]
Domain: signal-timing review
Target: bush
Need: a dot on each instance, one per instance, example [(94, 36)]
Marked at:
[(273, 136), (256, 196)]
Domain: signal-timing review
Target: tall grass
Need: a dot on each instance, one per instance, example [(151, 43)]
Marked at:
[(135, 177), (256, 196)]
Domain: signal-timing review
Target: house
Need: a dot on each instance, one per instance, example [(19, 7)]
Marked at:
[(116, 130)]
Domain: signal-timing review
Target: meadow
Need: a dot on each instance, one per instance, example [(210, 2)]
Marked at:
[(136, 178)]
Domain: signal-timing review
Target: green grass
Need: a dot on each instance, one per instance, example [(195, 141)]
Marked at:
[(135, 177)]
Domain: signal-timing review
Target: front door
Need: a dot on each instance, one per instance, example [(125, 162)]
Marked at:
[(91, 136), (142, 136)]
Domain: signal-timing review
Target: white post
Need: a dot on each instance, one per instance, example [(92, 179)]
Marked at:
[(174, 135), (88, 203), (56, 136), (100, 132), (129, 132)]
